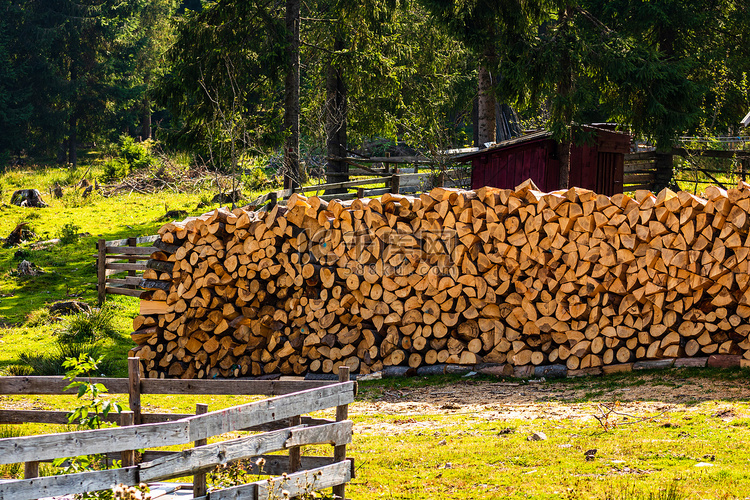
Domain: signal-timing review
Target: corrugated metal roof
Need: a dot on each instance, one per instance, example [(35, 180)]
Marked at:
[(534, 136)]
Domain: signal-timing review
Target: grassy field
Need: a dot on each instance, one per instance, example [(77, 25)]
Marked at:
[(667, 435), (672, 435)]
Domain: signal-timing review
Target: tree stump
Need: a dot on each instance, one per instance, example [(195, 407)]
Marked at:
[(28, 198)]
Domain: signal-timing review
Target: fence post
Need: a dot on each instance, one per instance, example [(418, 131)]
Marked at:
[(127, 456), (132, 242), (30, 470), (386, 165), (199, 480), (395, 183), (295, 452), (101, 270), (134, 389), (339, 452)]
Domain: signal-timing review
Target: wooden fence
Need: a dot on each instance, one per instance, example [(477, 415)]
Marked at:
[(281, 419), (642, 170), (117, 256)]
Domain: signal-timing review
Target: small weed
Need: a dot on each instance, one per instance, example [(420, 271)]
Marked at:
[(39, 317), (17, 371), (68, 233), (631, 492)]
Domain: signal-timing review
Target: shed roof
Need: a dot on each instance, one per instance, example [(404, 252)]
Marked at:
[(534, 136)]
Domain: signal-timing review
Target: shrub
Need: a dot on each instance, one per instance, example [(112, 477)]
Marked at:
[(88, 327), (135, 154), (115, 169), (51, 363), (68, 233), (39, 317)]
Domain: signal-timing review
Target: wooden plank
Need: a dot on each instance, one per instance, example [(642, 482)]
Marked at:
[(376, 192), (123, 291), (336, 433), (56, 385), (42, 417), (639, 168), (139, 240), (386, 159), (635, 187), (110, 272), (644, 155), (229, 387), (270, 410), (336, 185), (295, 484), (632, 177), (112, 258), (61, 417), (128, 280), (206, 457), (50, 486), (338, 196), (131, 250), (203, 458), (708, 153), (275, 465), (126, 267), (73, 444)]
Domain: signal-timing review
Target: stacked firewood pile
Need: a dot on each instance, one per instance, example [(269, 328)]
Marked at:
[(488, 276)]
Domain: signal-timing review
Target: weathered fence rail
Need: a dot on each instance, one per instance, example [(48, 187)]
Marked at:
[(642, 169), (280, 419), (116, 256)]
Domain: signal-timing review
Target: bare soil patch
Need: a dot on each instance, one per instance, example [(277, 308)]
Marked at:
[(649, 395)]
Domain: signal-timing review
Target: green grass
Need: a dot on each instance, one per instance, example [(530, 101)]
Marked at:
[(70, 270)]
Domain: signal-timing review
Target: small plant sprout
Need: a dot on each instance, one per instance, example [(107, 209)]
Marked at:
[(90, 414)]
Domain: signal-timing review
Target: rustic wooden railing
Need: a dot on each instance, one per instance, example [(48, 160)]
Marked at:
[(280, 419), (392, 182), (642, 170), (117, 256)]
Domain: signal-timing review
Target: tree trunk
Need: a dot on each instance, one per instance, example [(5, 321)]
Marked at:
[(146, 123), (292, 175), (475, 121), (336, 121), (563, 154), (564, 111), (486, 119), (72, 139), (73, 119)]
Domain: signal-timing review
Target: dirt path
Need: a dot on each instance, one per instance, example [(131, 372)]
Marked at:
[(529, 401)]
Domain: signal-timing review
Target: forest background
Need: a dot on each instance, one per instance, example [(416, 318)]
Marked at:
[(209, 78)]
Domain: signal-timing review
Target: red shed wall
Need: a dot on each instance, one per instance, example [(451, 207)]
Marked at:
[(509, 167), (597, 166)]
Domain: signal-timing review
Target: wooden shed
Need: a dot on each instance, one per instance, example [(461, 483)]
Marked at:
[(597, 164)]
